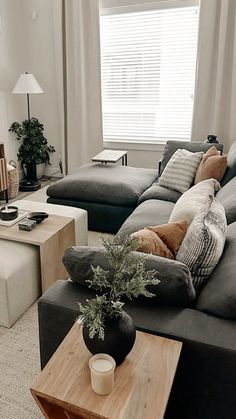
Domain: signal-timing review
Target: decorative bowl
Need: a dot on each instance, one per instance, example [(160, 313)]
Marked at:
[(8, 213), (37, 216)]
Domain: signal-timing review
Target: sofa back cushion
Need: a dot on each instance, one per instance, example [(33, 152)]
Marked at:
[(175, 288), (204, 242), (171, 147), (191, 202), (218, 297), (227, 197), (231, 165), (158, 192)]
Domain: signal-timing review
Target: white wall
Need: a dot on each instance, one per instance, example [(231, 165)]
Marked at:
[(13, 45), (45, 62), (29, 42)]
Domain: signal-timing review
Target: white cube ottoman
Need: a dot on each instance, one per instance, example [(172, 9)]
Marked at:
[(80, 216), (20, 281)]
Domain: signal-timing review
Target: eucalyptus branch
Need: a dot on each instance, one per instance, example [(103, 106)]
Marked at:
[(127, 277)]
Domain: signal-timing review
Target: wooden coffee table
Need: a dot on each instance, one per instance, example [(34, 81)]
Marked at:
[(52, 237), (142, 382)]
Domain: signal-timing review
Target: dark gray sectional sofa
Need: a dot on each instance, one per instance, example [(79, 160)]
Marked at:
[(110, 193), (205, 382)]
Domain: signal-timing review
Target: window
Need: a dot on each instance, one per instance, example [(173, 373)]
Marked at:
[(148, 62)]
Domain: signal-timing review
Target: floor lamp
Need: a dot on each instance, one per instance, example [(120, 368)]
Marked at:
[(27, 84)]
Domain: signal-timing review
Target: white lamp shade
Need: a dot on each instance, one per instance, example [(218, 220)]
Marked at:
[(27, 83)]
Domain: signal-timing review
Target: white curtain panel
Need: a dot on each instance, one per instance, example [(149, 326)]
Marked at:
[(82, 81), (215, 92)]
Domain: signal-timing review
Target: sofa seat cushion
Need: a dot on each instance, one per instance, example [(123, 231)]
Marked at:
[(107, 184), (185, 324), (175, 287), (218, 297), (159, 192), (151, 212)]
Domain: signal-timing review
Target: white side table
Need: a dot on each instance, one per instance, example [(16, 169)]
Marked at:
[(111, 156)]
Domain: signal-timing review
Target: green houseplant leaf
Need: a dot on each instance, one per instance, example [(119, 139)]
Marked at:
[(34, 148)]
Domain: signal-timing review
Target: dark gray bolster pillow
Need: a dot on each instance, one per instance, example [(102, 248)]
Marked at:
[(175, 288)]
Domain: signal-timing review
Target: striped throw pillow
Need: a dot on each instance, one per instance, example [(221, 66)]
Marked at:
[(204, 242), (180, 170)]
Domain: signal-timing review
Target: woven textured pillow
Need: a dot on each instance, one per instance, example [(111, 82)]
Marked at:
[(191, 202), (204, 242), (180, 170), (213, 165)]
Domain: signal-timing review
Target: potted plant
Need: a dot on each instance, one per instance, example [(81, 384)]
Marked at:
[(34, 148), (106, 326)]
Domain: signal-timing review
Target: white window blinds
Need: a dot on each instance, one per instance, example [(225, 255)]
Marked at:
[(148, 61)]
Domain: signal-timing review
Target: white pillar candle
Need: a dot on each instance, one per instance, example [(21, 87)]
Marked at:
[(102, 368)]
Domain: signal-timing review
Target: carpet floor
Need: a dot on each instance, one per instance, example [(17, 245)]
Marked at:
[(19, 366), (19, 352), (19, 362)]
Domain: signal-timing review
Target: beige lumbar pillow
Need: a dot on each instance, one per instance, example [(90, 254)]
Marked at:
[(212, 165), (192, 201), (150, 242), (171, 234)]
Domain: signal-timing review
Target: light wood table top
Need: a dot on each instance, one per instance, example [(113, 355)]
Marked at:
[(111, 156), (41, 233), (142, 382)]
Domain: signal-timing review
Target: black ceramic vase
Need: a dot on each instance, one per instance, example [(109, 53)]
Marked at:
[(119, 338)]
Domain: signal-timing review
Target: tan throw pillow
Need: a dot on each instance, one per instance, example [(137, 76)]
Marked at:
[(150, 242), (213, 165), (171, 234)]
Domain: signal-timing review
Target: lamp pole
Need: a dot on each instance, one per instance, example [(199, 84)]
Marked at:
[(28, 102), (28, 84), (28, 106)]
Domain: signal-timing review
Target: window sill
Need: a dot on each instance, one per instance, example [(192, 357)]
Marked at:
[(132, 145)]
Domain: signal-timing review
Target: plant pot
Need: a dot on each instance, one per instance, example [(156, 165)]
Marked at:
[(120, 334), (40, 170)]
